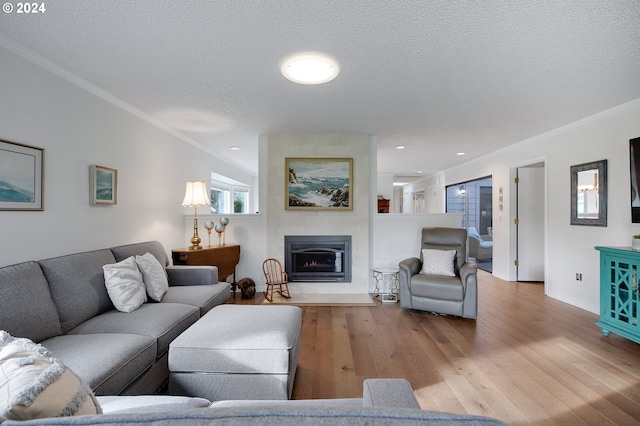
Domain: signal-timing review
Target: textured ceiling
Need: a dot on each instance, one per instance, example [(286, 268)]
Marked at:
[(436, 76)]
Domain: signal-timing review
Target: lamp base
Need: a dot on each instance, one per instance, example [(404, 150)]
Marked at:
[(195, 243), (195, 240)]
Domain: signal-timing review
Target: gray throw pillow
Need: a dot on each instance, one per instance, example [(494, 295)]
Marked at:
[(124, 285), (153, 275)]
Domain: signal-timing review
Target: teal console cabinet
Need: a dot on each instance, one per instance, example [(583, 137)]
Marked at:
[(619, 292)]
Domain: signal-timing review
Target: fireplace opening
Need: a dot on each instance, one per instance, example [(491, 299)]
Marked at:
[(318, 258)]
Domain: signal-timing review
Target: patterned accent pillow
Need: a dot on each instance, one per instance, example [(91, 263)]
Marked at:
[(438, 262), (124, 285), (153, 275), (34, 385)]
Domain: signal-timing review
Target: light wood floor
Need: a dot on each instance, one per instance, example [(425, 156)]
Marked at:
[(527, 359)]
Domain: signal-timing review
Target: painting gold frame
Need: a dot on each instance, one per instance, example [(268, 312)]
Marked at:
[(319, 184)]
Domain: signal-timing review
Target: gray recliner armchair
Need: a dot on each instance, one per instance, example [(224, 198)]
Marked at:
[(438, 286)]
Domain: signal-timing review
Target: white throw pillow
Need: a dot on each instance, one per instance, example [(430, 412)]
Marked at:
[(124, 285), (153, 275), (438, 262), (34, 385)]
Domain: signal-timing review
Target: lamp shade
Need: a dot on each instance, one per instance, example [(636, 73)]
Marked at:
[(196, 195)]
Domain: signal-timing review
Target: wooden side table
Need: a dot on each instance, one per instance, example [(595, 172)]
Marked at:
[(225, 257)]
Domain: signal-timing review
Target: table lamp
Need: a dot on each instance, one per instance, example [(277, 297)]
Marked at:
[(195, 196)]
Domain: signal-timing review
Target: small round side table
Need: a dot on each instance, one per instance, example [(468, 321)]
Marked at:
[(387, 283)]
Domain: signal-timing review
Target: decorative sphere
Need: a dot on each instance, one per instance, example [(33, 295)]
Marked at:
[(224, 221), (209, 225), (219, 228)]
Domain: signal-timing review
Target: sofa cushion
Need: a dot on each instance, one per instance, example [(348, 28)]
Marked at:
[(26, 306), (77, 285), (124, 285), (153, 275), (33, 384), (153, 247), (438, 262), (149, 403), (108, 362), (160, 321), (203, 297)]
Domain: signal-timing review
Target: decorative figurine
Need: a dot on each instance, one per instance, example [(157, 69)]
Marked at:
[(224, 221), (220, 230), (209, 226)]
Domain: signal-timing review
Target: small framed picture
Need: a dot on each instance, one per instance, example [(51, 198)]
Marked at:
[(21, 176), (104, 185)]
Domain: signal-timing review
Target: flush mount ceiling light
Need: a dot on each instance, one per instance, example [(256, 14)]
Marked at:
[(310, 68)]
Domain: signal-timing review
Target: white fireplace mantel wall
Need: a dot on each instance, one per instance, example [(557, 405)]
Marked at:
[(274, 149)]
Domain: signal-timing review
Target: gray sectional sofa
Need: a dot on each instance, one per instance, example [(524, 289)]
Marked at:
[(63, 304)]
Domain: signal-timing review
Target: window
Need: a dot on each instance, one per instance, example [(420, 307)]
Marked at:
[(228, 196), (240, 199), (473, 200)]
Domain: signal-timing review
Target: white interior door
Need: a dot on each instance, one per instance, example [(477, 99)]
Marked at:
[(419, 202), (530, 227)]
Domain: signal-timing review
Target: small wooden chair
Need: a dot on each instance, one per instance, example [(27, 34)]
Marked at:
[(275, 276)]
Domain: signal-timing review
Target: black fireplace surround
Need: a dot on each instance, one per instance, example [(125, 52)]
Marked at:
[(318, 258)]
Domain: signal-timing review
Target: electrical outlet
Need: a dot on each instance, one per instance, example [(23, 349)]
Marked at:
[(578, 276)]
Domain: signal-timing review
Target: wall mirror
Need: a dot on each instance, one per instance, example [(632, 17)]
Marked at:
[(589, 194)]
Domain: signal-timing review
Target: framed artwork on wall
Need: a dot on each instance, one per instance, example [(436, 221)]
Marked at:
[(21, 176), (318, 183), (104, 185), (589, 194)]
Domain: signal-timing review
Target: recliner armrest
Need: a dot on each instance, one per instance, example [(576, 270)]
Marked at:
[(192, 275), (470, 268), (392, 393), (410, 266)]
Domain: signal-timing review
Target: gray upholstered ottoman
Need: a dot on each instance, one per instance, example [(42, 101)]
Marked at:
[(237, 352)]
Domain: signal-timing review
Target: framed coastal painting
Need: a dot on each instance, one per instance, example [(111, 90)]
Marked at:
[(21, 176), (318, 183), (104, 185)]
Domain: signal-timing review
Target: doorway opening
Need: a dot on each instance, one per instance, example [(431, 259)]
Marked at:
[(473, 199)]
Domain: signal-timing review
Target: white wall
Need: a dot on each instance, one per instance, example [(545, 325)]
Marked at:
[(386, 189), (434, 193), (76, 128), (396, 237), (569, 249)]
